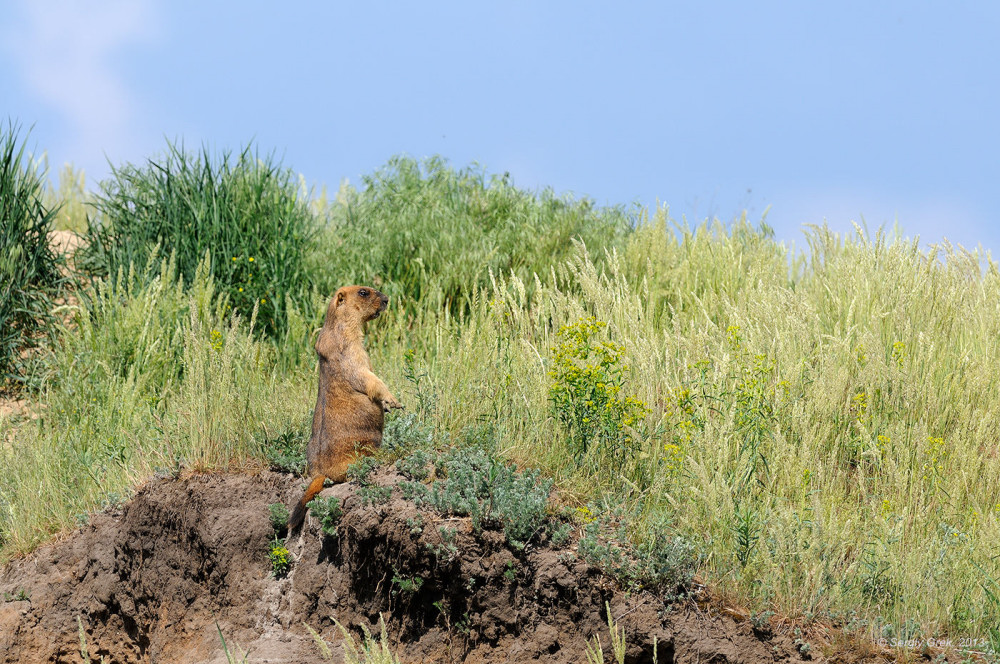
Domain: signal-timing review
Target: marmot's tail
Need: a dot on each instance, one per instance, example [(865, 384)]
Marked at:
[(299, 513)]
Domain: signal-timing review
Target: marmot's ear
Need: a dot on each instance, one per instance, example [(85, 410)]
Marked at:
[(340, 298)]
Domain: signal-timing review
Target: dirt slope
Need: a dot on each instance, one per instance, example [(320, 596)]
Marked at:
[(186, 558)]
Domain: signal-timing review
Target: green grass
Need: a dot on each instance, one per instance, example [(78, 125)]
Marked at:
[(246, 213), (769, 388), (143, 378), (29, 270), (821, 425)]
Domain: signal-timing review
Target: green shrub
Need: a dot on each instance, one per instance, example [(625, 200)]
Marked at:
[(416, 466), (655, 558), (361, 470), (492, 493), (404, 433), (445, 551), (328, 512), (416, 492), (666, 561), (559, 532), (286, 452), (373, 494), (475, 484), (29, 270), (604, 549), (406, 585), (431, 234), (415, 524), (277, 513), (245, 212)]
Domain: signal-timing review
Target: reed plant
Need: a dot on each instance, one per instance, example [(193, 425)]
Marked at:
[(29, 269), (246, 212)]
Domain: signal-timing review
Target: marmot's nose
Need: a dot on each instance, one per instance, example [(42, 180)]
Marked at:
[(385, 298)]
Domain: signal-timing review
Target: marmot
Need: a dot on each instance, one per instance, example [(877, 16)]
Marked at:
[(351, 403)]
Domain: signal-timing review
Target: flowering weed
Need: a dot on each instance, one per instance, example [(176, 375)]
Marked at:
[(281, 558), (588, 377)]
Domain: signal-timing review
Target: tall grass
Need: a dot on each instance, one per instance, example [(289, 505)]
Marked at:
[(821, 425), (246, 213), (29, 270), (826, 433), (150, 376)]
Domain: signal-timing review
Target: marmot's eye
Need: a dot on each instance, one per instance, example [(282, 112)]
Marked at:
[(363, 292)]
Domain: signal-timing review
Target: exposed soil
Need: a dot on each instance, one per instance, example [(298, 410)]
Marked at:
[(186, 559), (11, 407), (65, 242)]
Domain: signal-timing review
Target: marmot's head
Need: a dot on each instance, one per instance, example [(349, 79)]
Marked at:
[(358, 303)]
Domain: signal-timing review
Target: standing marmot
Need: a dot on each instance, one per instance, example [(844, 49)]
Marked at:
[(347, 422)]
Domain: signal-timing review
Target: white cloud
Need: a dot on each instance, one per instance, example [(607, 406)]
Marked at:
[(69, 52)]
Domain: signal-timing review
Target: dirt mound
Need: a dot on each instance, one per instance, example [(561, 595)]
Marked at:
[(187, 560)]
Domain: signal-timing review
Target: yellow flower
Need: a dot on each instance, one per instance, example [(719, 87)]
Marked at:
[(251, 259), (899, 352), (215, 340)]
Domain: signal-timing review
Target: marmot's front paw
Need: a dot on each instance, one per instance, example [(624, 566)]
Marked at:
[(391, 403)]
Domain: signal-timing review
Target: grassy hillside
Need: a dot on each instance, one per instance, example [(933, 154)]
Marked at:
[(822, 426)]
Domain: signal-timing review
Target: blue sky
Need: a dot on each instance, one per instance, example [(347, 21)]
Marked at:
[(836, 111)]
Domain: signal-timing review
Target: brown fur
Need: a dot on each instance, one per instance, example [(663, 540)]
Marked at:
[(352, 400)]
